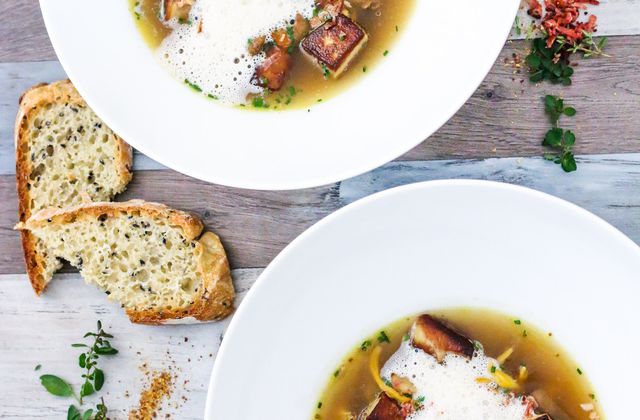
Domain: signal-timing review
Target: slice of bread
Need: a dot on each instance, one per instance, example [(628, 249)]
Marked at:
[(150, 258), (65, 155)]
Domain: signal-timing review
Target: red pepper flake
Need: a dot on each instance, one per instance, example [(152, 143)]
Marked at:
[(561, 18)]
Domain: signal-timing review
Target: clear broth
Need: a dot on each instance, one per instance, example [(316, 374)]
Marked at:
[(306, 84), (555, 379)]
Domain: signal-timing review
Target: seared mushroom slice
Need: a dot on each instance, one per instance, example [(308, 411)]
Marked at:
[(383, 408), (334, 45), (177, 8), (437, 339), (271, 73)]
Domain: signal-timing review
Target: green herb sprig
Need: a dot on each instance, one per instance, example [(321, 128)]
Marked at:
[(557, 138), (93, 377), (550, 64)]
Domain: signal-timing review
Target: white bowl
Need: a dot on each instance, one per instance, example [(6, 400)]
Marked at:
[(428, 246), (441, 58)]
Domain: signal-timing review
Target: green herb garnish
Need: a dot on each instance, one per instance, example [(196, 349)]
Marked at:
[(93, 376), (383, 337), (259, 102), (365, 345), (557, 138), (193, 85), (550, 64), (325, 72)]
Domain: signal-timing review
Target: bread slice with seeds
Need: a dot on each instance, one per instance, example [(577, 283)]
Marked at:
[(153, 260), (64, 155)]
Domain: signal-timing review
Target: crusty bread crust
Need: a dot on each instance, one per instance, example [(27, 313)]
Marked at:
[(215, 298), (37, 96)]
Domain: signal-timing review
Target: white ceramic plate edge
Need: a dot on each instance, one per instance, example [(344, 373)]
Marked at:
[(247, 302)]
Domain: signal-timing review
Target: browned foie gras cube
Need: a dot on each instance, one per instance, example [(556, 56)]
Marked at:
[(383, 408), (335, 44), (437, 339)]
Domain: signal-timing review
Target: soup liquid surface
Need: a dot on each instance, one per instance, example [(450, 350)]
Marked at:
[(556, 381), (306, 84)]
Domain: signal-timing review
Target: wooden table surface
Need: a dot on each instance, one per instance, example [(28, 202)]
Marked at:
[(496, 136)]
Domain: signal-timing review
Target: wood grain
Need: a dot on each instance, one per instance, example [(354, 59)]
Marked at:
[(505, 116), (256, 225), (40, 331), (23, 36)]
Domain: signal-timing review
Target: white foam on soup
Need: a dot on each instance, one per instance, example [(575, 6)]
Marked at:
[(216, 59), (450, 390)]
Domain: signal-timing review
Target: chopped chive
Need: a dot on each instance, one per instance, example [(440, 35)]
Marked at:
[(383, 337)]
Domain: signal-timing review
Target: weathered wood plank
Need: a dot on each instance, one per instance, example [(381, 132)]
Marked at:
[(604, 185), (504, 117), (256, 225), (40, 330), (23, 36)]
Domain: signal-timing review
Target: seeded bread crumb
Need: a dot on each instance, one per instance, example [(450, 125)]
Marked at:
[(65, 155), (151, 259)]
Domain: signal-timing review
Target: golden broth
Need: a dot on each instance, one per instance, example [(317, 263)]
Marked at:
[(306, 85), (558, 383)]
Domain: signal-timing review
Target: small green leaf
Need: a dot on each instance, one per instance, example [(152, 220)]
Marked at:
[(383, 338), (56, 386), (79, 345), (82, 360), (536, 77), (73, 413), (569, 111), (550, 101), (568, 162), (567, 71), (87, 389), (106, 350), (569, 138), (87, 414), (37, 367), (553, 137), (98, 379), (533, 61)]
